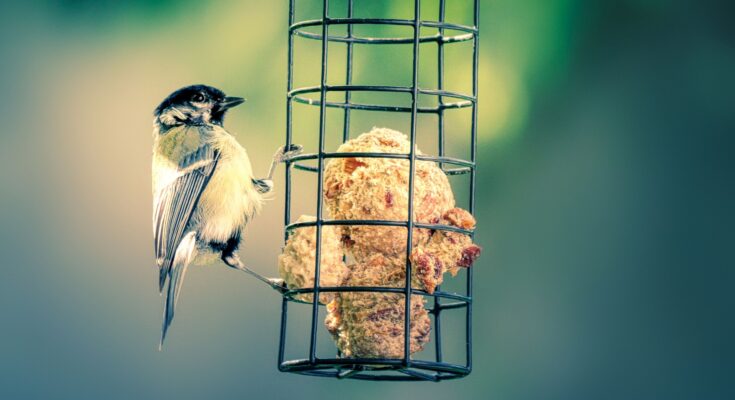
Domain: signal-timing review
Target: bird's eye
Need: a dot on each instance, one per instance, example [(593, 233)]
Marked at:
[(197, 98)]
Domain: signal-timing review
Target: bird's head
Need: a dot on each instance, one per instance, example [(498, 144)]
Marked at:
[(195, 105)]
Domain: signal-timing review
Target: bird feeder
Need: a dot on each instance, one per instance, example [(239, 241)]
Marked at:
[(343, 33)]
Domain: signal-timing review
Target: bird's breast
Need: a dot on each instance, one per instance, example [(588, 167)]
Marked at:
[(230, 199)]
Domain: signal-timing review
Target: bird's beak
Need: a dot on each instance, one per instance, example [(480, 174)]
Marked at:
[(230, 102)]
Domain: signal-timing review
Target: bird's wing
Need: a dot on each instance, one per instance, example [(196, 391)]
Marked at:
[(185, 252), (174, 204)]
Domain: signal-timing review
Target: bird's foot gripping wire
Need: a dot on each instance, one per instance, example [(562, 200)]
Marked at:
[(283, 154), (233, 261)]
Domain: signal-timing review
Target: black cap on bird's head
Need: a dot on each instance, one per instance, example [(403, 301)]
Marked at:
[(195, 105)]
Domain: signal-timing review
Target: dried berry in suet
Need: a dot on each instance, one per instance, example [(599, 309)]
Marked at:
[(446, 251)]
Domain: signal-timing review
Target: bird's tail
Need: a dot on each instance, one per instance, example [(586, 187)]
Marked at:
[(185, 253)]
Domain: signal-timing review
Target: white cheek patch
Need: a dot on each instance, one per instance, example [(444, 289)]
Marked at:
[(168, 119), (172, 116)]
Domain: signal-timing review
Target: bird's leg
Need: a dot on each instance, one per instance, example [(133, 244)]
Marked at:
[(233, 260), (283, 153)]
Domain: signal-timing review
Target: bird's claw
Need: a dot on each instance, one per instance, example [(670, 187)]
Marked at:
[(283, 154), (286, 153), (279, 285)]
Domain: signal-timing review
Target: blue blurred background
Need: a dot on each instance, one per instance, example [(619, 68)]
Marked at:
[(605, 200)]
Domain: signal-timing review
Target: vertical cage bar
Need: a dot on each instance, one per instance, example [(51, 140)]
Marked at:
[(282, 338), (440, 130), (287, 189), (348, 75), (320, 177), (348, 93), (289, 115), (473, 171), (440, 79), (411, 173)]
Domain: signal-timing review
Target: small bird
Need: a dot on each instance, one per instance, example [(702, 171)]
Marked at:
[(204, 192)]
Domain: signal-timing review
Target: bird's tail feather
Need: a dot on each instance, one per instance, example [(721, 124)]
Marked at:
[(185, 253)]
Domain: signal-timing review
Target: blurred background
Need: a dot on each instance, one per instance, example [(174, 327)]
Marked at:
[(604, 200)]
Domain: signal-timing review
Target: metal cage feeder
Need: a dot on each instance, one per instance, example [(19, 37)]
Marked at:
[(406, 368)]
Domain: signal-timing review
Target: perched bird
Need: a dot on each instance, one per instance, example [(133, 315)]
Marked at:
[(204, 192)]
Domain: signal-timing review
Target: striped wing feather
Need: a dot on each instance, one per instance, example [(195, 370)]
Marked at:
[(176, 203)]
